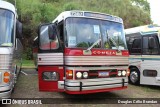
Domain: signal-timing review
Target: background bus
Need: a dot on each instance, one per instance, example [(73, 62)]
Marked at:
[(82, 52), (10, 48), (144, 48)]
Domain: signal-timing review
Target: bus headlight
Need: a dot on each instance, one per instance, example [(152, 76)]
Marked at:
[(79, 75), (123, 73), (85, 74), (119, 73)]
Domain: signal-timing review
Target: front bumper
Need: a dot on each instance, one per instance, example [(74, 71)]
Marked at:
[(95, 85), (5, 91)]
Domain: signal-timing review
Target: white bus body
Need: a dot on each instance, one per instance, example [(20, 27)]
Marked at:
[(144, 48), (10, 48)]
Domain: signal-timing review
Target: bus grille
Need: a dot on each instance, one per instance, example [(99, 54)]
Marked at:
[(5, 61)]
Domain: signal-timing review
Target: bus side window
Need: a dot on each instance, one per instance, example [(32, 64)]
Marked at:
[(136, 46), (129, 43), (61, 32), (146, 49)]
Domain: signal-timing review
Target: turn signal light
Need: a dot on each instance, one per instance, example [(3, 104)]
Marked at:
[(6, 74), (69, 74), (128, 72), (6, 78)]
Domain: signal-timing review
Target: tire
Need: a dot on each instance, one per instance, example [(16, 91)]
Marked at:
[(134, 77)]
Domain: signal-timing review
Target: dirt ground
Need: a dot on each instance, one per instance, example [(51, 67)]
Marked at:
[(27, 87)]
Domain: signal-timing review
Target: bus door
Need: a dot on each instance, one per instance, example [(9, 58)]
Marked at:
[(134, 47), (150, 60), (50, 59)]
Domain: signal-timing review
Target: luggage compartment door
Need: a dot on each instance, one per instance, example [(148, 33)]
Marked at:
[(51, 78)]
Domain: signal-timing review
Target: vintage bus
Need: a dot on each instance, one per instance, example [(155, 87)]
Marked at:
[(10, 48), (144, 48), (82, 52)]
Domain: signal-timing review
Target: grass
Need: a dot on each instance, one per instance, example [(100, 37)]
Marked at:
[(28, 64)]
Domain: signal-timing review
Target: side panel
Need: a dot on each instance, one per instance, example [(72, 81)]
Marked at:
[(45, 85), (150, 70), (50, 59), (135, 60), (6, 62)]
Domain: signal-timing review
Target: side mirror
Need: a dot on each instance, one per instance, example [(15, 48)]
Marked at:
[(151, 43), (52, 33), (48, 37), (18, 29)]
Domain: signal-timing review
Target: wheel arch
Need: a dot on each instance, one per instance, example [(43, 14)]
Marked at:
[(138, 71), (132, 66)]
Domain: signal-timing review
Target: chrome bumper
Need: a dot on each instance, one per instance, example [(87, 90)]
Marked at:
[(5, 91), (95, 84)]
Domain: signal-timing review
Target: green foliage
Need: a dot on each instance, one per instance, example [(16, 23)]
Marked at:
[(28, 54), (82, 44), (70, 6), (35, 12), (28, 64), (142, 4)]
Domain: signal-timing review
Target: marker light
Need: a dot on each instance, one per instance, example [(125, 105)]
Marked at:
[(128, 72)]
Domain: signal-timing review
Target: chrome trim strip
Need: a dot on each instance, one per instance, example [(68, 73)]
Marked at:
[(50, 59), (5, 94), (6, 87), (97, 68), (93, 84), (96, 60), (87, 83), (94, 87)]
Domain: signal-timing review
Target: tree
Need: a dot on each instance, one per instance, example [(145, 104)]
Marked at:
[(34, 12)]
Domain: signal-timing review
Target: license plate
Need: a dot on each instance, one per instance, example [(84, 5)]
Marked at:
[(103, 74)]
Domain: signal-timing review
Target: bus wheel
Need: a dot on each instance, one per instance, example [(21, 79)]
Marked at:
[(134, 77)]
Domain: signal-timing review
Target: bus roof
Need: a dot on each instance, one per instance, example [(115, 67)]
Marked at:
[(8, 6), (146, 29), (88, 14)]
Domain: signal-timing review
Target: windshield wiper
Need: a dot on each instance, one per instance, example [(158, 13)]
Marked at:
[(114, 43), (95, 43)]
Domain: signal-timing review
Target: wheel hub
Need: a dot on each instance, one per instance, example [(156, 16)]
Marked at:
[(134, 76)]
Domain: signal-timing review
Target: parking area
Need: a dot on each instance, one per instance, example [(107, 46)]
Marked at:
[(27, 87)]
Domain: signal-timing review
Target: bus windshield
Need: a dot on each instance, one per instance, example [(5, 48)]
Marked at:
[(84, 32), (6, 28)]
